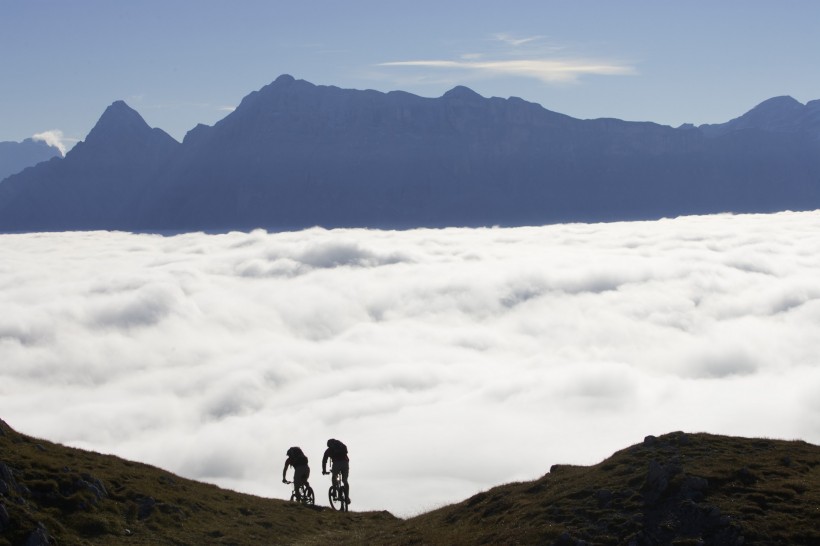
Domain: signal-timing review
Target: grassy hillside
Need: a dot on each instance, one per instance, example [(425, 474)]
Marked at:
[(674, 489)]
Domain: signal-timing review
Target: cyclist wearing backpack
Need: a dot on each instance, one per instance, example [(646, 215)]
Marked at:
[(337, 452), (301, 471)]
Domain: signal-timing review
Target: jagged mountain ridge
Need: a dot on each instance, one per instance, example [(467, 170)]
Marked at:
[(294, 155)]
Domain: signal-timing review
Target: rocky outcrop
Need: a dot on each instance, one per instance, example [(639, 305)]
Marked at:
[(675, 503)]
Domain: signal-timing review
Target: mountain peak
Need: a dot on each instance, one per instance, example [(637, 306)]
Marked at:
[(117, 119), (461, 92), (284, 78), (778, 114), (120, 111), (783, 101)]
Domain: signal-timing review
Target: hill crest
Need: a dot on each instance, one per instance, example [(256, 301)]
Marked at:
[(678, 488)]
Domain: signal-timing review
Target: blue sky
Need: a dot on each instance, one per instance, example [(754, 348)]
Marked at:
[(180, 63)]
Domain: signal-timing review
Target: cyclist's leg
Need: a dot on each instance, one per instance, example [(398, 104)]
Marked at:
[(300, 475), (345, 472)]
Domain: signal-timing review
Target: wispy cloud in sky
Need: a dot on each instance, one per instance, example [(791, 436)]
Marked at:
[(519, 56), (548, 71), (210, 355), (515, 40)]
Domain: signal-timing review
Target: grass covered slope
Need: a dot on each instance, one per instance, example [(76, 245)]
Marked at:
[(73, 496), (675, 489)]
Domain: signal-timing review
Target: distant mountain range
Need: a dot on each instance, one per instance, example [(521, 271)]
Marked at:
[(295, 155), (16, 156)]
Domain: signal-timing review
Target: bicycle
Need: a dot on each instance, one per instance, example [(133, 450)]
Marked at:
[(306, 496), (336, 493)]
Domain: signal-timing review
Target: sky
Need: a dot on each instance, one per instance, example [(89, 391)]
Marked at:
[(180, 63), (448, 361)]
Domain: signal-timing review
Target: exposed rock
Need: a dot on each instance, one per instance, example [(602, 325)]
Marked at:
[(38, 537), (8, 484), (4, 518), (92, 484), (146, 507)]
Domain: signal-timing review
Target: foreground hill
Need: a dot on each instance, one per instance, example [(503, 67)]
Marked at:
[(294, 155), (674, 489)]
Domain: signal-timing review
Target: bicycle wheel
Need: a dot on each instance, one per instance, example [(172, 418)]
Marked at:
[(336, 498), (308, 499)]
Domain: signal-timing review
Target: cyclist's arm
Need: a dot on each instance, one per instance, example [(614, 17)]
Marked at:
[(285, 470), (324, 461)]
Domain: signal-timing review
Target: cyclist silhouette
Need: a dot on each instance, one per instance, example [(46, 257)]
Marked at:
[(337, 452), (301, 471)]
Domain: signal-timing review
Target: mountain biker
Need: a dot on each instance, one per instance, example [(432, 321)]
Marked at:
[(337, 452), (301, 471)]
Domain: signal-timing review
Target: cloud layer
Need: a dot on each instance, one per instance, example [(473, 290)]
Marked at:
[(448, 360)]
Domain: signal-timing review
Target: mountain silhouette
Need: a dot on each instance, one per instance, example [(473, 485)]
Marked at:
[(16, 156), (294, 155)]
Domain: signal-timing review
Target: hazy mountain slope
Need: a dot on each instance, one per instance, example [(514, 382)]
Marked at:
[(16, 156), (675, 489)]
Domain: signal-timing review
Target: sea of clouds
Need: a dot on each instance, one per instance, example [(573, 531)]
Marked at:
[(447, 360)]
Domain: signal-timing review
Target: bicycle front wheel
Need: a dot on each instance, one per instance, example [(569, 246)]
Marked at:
[(337, 499)]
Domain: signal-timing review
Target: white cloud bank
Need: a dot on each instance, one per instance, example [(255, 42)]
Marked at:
[(448, 360)]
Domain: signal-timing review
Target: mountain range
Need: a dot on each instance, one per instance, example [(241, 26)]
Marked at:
[(294, 155)]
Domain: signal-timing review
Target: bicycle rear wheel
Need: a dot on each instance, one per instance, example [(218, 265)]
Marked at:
[(308, 498)]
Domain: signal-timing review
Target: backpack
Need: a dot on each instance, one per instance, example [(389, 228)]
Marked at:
[(337, 449), (297, 457)]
